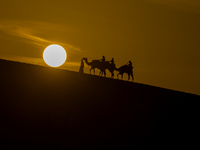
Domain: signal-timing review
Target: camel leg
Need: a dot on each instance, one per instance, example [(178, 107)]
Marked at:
[(100, 73), (112, 74), (90, 70), (117, 76), (128, 76), (111, 71)]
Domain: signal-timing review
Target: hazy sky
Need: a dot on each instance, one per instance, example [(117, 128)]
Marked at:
[(160, 37)]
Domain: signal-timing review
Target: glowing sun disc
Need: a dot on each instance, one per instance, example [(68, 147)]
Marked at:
[(54, 55)]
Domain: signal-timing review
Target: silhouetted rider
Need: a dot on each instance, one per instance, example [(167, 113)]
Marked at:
[(112, 61), (103, 59)]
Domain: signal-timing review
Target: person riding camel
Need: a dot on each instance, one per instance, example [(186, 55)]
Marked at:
[(103, 59), (112, 61), (113, 64)]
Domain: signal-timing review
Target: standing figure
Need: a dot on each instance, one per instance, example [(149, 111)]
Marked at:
[(130, 64), (81, 67), (113, 67)]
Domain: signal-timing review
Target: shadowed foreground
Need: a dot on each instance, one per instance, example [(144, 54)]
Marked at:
[(48, 108)]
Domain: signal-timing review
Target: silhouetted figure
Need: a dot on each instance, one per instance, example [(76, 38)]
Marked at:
[(112, 61), (103, 59), (113, 67), (81, 67), (130, 64), (126, 69)]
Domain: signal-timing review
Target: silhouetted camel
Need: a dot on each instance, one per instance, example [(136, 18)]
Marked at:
[(102, 66), (125, 69)]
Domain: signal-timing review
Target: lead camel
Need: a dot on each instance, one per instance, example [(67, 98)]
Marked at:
[(102, 66)]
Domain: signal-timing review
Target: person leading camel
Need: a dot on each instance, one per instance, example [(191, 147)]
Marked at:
[(81, 67), (130, 64)]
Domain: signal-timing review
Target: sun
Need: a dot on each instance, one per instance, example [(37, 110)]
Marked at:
[(54, 55)]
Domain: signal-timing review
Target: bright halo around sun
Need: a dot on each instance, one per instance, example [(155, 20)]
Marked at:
[(54, 55)]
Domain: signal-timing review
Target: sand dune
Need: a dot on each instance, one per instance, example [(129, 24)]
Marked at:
[(48, 108)]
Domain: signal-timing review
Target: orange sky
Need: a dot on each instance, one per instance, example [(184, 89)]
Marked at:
[(160, 37)]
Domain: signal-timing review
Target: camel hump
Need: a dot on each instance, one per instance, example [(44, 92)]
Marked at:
[(123, 67), (96, 61)]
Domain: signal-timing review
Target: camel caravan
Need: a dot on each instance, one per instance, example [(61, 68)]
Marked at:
[(102, 65)]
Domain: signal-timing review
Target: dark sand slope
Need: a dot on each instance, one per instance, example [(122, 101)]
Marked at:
[(48, 108)]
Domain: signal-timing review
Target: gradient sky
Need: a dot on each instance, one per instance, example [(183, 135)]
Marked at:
[(160, 37)]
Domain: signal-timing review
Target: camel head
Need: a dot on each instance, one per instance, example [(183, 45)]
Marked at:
[(84, 59)]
